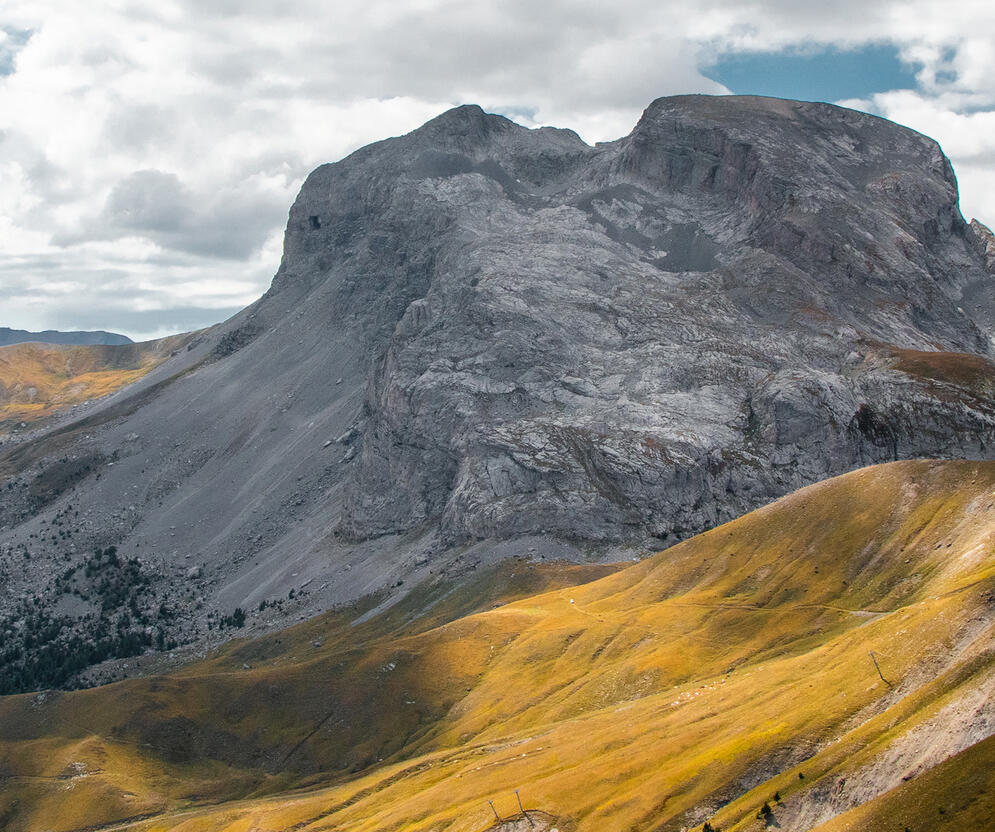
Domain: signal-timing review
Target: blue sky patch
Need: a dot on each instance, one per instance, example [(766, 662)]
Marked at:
[(823, 75), (10, 46)]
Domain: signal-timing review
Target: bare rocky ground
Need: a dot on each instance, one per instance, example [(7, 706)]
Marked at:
[(487, 341)]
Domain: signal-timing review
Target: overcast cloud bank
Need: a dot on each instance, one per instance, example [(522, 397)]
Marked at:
[(149, 152)]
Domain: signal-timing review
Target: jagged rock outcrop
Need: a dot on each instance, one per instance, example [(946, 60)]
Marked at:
[(484, 333)]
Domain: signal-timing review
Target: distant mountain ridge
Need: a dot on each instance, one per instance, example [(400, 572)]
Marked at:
[(10, 336), (38, 380)]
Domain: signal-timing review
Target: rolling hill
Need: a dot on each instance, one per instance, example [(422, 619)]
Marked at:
[(51, 336), (829, 656), (38, 380)]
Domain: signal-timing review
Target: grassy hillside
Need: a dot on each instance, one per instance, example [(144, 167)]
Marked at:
[(956, 371), (830, 655), (36, 380)]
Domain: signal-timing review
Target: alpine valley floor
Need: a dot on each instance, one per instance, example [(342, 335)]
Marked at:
[(829, 656)]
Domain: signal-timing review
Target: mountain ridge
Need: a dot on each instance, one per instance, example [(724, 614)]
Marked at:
[(50, 336)]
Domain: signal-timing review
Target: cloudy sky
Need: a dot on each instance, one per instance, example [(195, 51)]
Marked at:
[(149, 152)]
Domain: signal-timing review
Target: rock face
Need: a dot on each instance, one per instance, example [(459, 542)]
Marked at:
[(985, 242), (646, 336), (484, 333)]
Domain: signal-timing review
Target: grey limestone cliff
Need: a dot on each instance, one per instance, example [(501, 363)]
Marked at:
[(650, 335)]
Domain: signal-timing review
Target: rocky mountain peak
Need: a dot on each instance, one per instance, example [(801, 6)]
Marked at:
[(566, 298), (465, 127), (484, 337)]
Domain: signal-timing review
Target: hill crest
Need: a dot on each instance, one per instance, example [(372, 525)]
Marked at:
[(50, 336)]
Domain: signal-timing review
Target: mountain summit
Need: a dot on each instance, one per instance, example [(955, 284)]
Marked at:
[(484, 339), (646, 336)]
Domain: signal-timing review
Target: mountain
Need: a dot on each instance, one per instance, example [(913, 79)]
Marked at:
[(485, 340), (51, 336), (829, 656), (40, 380)]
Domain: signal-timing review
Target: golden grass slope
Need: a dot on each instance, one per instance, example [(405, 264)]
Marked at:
[(728, 671), (36, 380)]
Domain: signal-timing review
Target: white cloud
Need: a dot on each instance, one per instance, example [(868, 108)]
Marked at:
[(156, 148)]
